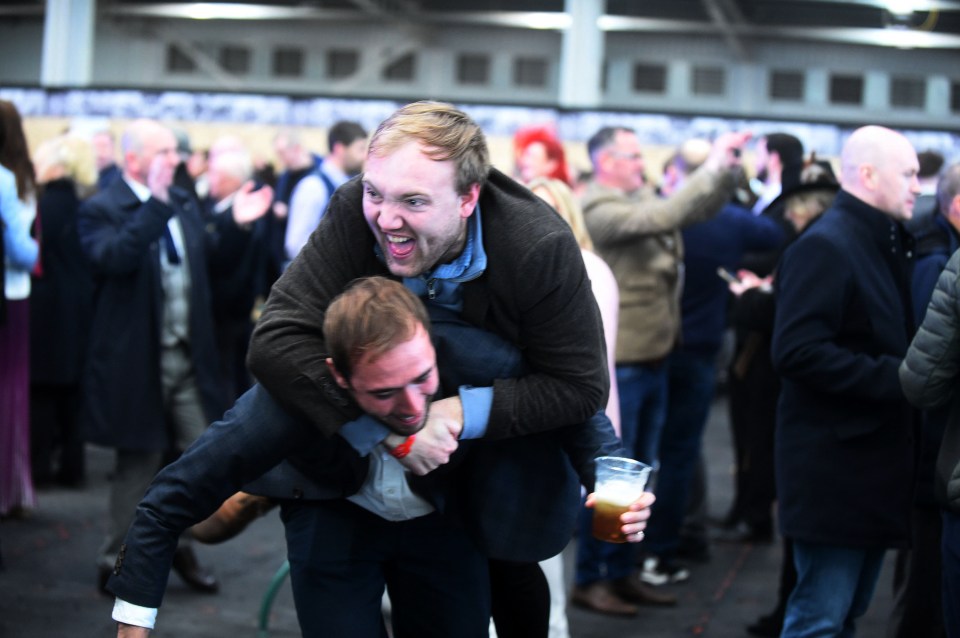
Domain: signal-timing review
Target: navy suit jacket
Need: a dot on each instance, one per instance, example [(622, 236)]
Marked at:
[(519, 497)]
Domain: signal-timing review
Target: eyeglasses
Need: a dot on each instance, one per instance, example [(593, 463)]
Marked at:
[(633, 157)]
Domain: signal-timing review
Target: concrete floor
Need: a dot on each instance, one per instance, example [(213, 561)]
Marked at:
[(48, 587)]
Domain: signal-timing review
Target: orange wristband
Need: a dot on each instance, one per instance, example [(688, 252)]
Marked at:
[(404, 448)]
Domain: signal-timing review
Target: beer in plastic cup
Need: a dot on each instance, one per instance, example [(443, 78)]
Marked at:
[(620, 482)]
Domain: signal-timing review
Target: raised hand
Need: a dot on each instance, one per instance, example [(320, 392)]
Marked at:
[(250, 205)]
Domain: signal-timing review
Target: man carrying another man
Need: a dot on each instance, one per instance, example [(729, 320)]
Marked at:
[(516, 273)]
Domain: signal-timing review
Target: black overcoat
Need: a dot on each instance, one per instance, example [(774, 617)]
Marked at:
[(845, 433), (61, 296), (123, 403)]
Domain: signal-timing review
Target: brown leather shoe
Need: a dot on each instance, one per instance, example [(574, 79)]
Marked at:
[(600, 597), (231, 518), (632, 589), (189, 569)]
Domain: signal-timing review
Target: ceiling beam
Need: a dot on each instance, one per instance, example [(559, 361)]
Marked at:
[(733, 31), (719, 19)]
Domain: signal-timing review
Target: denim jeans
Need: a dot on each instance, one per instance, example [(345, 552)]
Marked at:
[(643, 394), (643, 404), (691, 381), (834, 588)]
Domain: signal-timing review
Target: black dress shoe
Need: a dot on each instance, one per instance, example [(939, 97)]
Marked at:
[(767, 626), (186, 565)]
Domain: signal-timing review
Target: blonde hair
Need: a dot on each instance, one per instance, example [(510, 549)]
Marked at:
[(802, 208), (66, 156), (447, 134), (566, 206)]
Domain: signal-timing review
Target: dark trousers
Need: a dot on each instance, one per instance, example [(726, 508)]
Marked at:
[(917, 609), (753, 412), (233, 337), (951, 573), (54, 432), (342, 556), (521, 599)]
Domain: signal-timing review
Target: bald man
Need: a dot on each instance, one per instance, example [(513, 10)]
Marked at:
[(150, 382), (845, 433)]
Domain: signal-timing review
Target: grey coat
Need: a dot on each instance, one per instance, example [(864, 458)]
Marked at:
[(930, 375)]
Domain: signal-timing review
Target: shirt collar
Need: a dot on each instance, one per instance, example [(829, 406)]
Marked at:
[(140, 190)]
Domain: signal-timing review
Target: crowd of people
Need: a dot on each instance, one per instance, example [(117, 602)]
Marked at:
[(403, 333)]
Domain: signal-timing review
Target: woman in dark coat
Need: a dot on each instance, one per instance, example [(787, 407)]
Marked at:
[(60, 309)]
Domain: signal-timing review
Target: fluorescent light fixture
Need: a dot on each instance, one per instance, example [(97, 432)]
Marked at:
[(225, 11), (901, 7)]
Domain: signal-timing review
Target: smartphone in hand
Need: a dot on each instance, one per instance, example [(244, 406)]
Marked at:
[(727, 276)]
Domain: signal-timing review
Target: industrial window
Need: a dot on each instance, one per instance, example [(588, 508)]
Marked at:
[(649, 78), (708, 80), (235, 59), (786, 85), (288, 62), (401, 69), (342, 63), (178, 61), (473, 68), (908, 93), (846, 89), (530, 72)]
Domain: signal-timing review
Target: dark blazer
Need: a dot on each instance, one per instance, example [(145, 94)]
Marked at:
[(480, 484), (123, 397), (236, 263), (61, 300), (845, 433), (518, 502)]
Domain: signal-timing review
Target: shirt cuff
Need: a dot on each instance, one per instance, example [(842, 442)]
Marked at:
[(134, 614), (364, 434), (477, 403)]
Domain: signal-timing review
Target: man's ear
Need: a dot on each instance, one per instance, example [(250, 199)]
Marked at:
[(339, 378), (468, 201), (953, 213), (867, 176)]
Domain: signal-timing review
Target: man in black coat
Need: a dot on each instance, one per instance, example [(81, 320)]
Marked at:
[(151, 374), (845, 433), (236, 266)]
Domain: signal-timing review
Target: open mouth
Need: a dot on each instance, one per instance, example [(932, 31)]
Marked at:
[(400, 247), (407, 423)]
